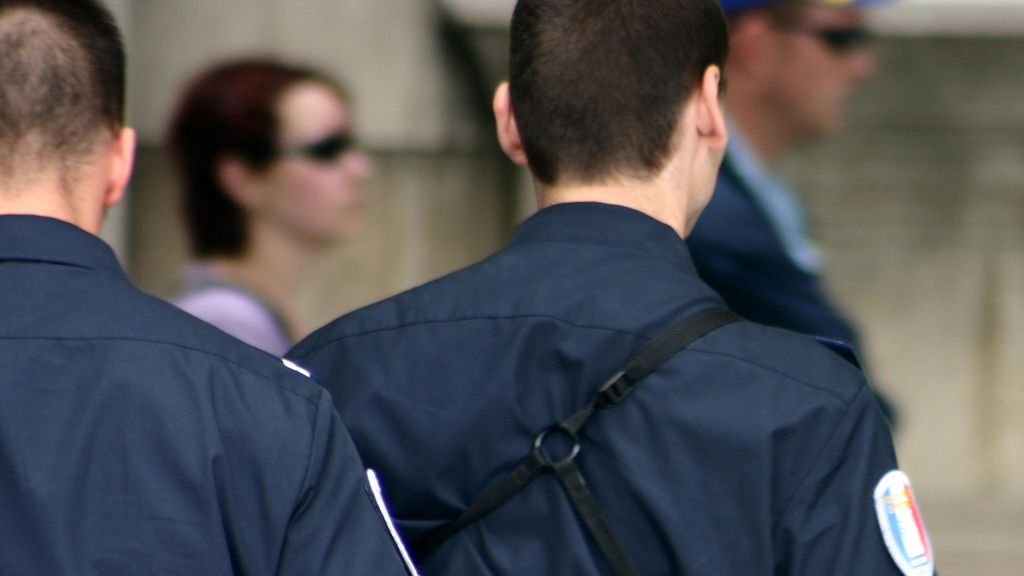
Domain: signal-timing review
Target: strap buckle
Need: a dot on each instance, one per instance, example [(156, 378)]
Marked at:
[(614, 390), (546, 459)]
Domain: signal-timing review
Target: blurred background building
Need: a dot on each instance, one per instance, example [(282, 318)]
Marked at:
[(919, 203)]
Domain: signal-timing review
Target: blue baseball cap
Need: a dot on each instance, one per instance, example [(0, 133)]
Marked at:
[(732, 6)]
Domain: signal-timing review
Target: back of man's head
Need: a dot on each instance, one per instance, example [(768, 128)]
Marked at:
[(597, 86), (61, 83)]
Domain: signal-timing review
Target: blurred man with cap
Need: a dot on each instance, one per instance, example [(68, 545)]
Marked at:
[(793, 67), (135, 439)]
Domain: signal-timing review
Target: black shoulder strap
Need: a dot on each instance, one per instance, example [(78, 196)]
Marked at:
[(615, 389), (658, 351)]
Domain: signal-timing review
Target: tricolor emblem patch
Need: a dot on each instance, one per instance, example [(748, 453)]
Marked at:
[(902, 526)]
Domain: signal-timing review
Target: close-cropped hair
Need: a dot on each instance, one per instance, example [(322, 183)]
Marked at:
[(597, 86), (62, 80), (229, 111)]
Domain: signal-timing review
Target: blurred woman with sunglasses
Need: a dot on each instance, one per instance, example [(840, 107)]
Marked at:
[(270, 181)]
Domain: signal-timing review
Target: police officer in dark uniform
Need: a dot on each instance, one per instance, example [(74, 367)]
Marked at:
[(135, 439), (794, 67), (501, 404)]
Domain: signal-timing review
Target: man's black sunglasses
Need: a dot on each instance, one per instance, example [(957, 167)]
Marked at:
[(327, 149), (840, 40)]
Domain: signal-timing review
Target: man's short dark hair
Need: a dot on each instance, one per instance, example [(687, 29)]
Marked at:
[(597, 85), (62, 79)]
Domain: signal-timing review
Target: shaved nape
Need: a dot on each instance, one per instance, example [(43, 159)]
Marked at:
[(62, 64)]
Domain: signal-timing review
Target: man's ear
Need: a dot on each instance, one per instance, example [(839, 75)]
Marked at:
[(508, 132), (710, 118), (122, 159)]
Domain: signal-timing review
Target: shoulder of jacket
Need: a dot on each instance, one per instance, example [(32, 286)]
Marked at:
[(786, 359)]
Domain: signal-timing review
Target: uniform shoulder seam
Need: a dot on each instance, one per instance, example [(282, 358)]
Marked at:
[(336, 339), (631, 333), (314, 439), (312, 401), (847, 411), (846, 402)]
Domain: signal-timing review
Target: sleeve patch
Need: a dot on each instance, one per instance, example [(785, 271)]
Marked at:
[(902, 527)]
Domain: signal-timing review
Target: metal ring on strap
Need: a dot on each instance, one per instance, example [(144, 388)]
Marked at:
[(538, 446)]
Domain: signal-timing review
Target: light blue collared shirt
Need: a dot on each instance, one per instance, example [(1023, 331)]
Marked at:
[(778, 201)]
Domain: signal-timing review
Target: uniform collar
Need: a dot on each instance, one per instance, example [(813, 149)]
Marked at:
[(25, 238), (605, 225)]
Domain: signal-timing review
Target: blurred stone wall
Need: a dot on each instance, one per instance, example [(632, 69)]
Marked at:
[(919, 204)]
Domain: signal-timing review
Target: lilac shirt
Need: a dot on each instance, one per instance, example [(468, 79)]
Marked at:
[(234, 310)]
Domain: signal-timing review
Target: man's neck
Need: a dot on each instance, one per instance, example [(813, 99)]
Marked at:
[(40, 201), (654, 199)]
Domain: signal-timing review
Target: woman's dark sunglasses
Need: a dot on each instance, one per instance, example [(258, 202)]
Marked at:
[(327, 149), (839, 40)]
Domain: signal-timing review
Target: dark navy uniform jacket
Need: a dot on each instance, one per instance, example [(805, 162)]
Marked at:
[(754, 451), (738, 253), (135, 439)]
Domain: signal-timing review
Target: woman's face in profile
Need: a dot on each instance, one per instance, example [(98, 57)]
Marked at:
[(316, 188)]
